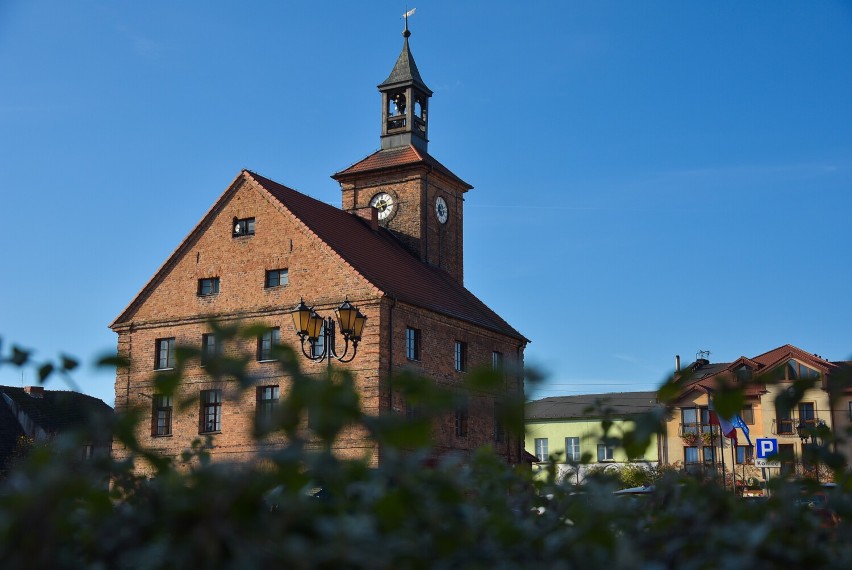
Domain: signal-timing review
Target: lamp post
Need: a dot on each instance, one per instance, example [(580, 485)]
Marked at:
[(808, 434), (310, 326)]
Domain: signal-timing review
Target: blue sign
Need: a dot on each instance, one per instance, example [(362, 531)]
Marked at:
[(766, 447)]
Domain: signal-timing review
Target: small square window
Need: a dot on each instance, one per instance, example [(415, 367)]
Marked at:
[(266, 341), (162, 415), (412, 343), (461, 356), (541, 448), (276, 278), (747, 414), (243, 227), (208, 286), (211, 411), (606, 452), (164, 359)]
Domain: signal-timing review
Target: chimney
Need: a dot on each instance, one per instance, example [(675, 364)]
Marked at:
[(677, 363), (34, 391), (371, 214)]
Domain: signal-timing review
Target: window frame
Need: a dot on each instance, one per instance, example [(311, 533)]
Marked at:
[(211, 409), (281, 278), (208, 287), (162, 408), (606, 453), (248, 225), (265, 345), (460, 356), (573, 453), (497, 361), (690, 448), (499, 430), (462, 417), (747, 414), (210, 348), (267, 401), (747, 455), (166, 344), (541, 449), (413, 339)]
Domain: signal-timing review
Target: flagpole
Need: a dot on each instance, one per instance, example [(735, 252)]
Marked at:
[(722, 452), (734, 468)]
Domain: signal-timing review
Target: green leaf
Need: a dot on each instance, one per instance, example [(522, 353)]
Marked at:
[(19, 356), (68, 363), (44, 371)]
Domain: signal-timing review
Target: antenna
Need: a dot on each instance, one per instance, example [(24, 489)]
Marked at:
[(702, 354)]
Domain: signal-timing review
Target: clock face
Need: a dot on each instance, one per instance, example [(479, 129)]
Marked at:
[(384, 203), (441, 210)]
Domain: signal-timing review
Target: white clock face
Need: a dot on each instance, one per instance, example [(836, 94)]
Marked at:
[(384, 203), (441, 210)]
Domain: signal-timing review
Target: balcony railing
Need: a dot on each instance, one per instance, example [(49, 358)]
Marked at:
[(789, 426), (696, 428)]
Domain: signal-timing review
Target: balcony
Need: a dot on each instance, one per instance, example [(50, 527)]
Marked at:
[(788, 426)]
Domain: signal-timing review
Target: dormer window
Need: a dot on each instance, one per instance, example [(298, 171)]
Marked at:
[(243, 227)]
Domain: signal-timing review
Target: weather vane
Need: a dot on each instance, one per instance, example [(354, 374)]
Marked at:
[(406, 15)]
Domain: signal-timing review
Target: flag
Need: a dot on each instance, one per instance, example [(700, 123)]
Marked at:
[(738, 422), (725, 425)]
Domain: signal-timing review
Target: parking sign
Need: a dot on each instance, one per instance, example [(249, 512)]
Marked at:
[(766, 447)]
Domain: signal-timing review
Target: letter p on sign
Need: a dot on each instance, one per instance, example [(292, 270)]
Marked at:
[(766, 447)]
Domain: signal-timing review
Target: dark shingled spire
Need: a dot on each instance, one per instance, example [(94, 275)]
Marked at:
[(405, 70)]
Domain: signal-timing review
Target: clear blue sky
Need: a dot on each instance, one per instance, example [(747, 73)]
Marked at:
[(651, 178)]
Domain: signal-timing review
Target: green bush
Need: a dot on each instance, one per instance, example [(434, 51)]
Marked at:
[(302, 507)]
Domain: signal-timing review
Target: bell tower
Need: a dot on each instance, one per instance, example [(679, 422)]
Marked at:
[(405, 102), (419, 200)]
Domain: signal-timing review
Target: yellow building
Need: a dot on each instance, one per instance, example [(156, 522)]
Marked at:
[(569, 428), (692, 434)]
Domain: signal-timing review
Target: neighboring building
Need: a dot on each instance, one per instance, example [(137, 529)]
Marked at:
[(395, 251), (33, 414), (692, 432), (570, 427)]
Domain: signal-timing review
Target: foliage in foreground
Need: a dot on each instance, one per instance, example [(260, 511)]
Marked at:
[(472, 512)]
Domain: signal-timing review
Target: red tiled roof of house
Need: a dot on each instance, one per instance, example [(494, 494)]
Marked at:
[(381, 259), (398, 157), (789, 351)]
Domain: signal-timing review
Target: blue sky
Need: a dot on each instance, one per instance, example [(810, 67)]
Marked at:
[(651, 178)]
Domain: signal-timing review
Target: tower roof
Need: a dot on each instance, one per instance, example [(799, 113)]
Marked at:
[(405, 71)]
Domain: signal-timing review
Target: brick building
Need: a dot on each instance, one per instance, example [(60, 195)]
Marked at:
[(395, 250)]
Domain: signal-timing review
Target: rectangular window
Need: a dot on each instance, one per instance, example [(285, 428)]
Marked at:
[(461, 356), (783, 422), (276, 278), (208, 286), (162, 415), (747, 414), (709, 455), (412, 343), (164, 358), (461, 421), (807, 413), (209, 348), (787, 457), (243, 227), (497, 361), (850, 411), (318, 345), (745, 455), (267, 401), (689, 420), (690, 455), (211, 411), (606, 452), (412, 411), (572, 449), (541, 448), (499, 433), (266, 341)]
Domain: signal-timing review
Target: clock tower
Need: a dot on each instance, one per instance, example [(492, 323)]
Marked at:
[(419, 200)]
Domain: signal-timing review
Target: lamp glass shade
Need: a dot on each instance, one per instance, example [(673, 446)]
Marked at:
[(301, 317), (358, 326), (346, 317), (802, 430), (314, 328)]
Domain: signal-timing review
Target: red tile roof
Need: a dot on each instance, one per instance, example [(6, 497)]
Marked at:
[(395, 158), (381, 259)]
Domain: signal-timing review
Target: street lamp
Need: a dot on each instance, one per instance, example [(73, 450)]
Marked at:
[(808, 433), (310, 327)]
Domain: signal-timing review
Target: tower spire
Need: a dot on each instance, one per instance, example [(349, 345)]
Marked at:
[(404, 100)]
